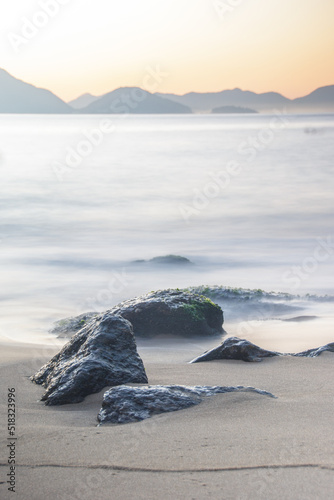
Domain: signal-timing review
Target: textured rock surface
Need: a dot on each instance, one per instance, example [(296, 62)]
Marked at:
[(131, 404), (69, 326), (235, 348), (103, 353), (165, 312), (172, 312), (313, 353)]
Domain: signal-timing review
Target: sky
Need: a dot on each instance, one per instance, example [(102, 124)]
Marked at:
[(77, 46)]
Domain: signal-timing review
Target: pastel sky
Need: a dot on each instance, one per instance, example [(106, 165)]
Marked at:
[(200, 45)]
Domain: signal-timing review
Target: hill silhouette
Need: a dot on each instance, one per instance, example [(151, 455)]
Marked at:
[(17, 96), (83, 101), (321, 100), (134, 100), (205, 102)]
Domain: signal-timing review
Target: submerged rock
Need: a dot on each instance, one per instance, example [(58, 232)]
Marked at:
[(165, 259), (172, 312), (69, 326), (227, 293), (171, 259), (131, 404), (238, 349), (103, 353)]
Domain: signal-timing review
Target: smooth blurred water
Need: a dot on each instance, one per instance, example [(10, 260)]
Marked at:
[(71, 229)]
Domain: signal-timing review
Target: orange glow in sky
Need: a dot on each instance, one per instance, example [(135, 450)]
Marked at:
[(72, 47)]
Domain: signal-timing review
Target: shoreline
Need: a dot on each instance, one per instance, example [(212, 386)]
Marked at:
[(237, 445), (272, 334)]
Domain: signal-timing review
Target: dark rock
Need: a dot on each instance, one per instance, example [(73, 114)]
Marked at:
[(103, 353), (171, 259), (172, 312), (166, 259), (235, 348), (165, 312), (69, 326), (131, 404), (313, 353), (238, 349)]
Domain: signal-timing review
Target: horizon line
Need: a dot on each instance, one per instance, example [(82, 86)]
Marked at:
[(167, 93)]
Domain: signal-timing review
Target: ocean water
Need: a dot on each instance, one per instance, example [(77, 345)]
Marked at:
[(248, 199)]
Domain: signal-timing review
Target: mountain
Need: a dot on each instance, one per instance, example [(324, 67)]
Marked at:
[(134, 100), (204, 103), (321, 101), (83, 101), (232, 109), (17, 96), (20, 97)]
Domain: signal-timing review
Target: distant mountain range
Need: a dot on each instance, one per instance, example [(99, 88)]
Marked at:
[(17, 96), (319, 101)]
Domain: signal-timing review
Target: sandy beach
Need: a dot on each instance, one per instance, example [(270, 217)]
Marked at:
[(231, 446), (167, 242)]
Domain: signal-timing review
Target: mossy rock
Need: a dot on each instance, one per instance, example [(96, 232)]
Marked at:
[(165, 312), (172, 312), (67, 327)]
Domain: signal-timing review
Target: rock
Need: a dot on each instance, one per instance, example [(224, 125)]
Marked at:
[(68, 326), (235, 348), (171, 259), (165, 259), (103, 353), (131, 404), (313, 353), (165, 312), (172, 312)]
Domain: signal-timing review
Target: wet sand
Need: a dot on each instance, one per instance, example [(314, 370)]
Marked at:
[(231, 446)]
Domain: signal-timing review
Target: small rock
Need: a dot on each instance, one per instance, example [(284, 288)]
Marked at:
[(131, 404), (313, 353), (165, 259), (235, 348), (240, 349), (171, 259)]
